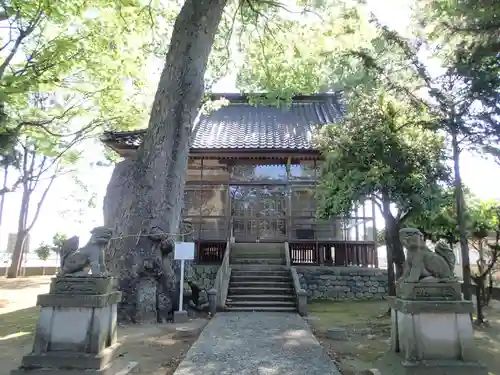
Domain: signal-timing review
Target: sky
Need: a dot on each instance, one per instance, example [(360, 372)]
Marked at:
[(62, 212)]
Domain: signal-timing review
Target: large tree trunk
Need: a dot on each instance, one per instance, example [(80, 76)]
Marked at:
[(462, 225), (156, 177), (117, 187)]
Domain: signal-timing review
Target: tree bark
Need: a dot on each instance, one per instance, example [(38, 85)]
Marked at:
[(395, 253), (17, 254), (462, 225), (156, 177), (2, 198), (479, 302)]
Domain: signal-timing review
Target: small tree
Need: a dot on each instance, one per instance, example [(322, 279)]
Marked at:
[(57, 242), (43, 160), (439, 221), (485, 223), (43, 251), (377, 151)]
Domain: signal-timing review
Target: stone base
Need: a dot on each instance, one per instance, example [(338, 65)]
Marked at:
[(431, 330), (444, 368), (429, 291), (71, 360), (119, 366), (181, 316), (92, 285), (76, 331)]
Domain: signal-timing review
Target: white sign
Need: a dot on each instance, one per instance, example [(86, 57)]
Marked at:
[(184, 251)]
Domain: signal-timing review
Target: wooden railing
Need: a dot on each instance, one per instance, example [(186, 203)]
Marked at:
[(210, 252), (337, 253)]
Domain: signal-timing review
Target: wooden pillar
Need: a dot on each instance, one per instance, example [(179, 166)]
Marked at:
[(356, 224), (229, 223), (319, 251), (289, 200), (200, 188)]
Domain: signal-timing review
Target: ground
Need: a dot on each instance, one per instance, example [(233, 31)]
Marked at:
[(155, 347), (368, 328), (158, 350)]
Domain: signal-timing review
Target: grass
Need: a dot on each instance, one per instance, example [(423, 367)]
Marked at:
[(348, 313), (18, 321), (16, 336), (368, 328)]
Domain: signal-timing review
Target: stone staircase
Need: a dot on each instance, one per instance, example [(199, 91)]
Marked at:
[(260, 280)]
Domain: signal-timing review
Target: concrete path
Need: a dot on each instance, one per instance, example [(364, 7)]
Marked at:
[(255, 343)]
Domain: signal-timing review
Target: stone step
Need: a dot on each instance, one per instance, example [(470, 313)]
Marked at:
[(261, 252), (258, 277), (260, 297), (271, 261), (271, 257), (260, 290), (280, 252), (260, 267), (262, 303), (259, 273), (262, 309), (235, 283), (262, 247)]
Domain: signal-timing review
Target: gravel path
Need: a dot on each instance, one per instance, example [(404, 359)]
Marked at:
[(256, 344)]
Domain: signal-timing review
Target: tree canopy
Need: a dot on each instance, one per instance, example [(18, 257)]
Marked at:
[(378, 149)]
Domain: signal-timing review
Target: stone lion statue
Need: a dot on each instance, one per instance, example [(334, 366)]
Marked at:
[(422, 264), (74, 260)]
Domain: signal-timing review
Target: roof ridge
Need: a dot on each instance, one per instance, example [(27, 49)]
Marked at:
[(244, 97)]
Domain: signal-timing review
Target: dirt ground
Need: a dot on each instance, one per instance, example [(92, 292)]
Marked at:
[(156, 348), (368, 331)]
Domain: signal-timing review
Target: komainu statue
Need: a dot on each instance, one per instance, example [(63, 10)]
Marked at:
[(74, 260), (422, 264)]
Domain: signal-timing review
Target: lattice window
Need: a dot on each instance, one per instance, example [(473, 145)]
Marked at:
[(213, 200)]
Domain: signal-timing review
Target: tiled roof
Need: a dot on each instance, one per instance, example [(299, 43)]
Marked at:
[(240, 125)]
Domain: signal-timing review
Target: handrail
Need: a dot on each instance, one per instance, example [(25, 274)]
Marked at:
[(300, 294), (221, 282), (288, 260), (295, 278)]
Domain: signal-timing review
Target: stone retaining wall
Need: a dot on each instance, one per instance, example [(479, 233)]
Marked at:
[(32, 271), (338, 283), (204, 275)]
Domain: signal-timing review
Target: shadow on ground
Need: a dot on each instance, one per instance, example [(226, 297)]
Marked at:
[(157, 348), (23, 283), (249, 343)]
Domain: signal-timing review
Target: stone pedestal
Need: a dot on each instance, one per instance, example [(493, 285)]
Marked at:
[(181, 316), (212, 301), (432, 330), (76, 331)]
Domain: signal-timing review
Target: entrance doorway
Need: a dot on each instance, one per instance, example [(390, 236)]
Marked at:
[(259, 212)]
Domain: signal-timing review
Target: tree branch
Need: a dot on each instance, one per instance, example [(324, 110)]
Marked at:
[(22, 35), (40, 202)]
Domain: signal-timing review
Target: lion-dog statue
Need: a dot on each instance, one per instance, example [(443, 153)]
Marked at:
[(75, 261), (422, 264)]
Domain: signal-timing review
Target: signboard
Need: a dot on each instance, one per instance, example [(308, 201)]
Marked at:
[(184, 251)]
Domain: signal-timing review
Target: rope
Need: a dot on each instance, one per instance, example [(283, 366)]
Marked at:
[(149, 234)]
